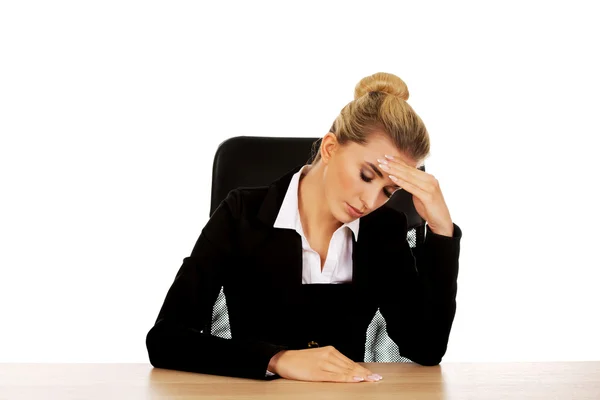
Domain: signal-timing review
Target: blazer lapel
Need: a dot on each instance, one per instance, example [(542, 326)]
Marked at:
[(271, 204), (278, 251)]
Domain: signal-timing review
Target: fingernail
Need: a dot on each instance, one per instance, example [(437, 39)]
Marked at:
[(392, 177), (374, 377), (358, 379), (389, 157), (384, 167), (382, 161)]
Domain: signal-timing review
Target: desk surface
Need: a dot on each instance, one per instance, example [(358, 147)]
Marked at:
[(560, 380)]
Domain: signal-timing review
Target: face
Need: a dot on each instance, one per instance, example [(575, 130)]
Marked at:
[(352, 177)]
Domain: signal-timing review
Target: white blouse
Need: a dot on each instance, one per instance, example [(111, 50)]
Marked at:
[(338, 264)]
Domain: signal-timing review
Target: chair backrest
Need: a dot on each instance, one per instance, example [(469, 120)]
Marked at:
[(249, 161), (257, 161)]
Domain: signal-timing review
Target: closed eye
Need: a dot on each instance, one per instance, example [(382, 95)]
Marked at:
[(365, 178)]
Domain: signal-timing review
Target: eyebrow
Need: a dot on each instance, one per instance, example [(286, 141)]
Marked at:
[(378, 172), (374, 168)]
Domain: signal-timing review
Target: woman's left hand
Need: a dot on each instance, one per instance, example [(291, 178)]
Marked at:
[(427, 195)]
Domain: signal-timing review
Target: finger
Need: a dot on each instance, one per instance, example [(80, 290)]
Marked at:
[(340, 364), (407, 173), (339, 377), (410, 187), (336, 353), (397, 162), (364, 373), (359, 369), (410, 171), (335, 365), (400, 162), (357, 373)]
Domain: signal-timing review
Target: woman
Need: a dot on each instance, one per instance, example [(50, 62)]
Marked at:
[(306, 262)]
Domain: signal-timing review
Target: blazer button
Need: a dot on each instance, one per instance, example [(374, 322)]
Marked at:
[(312, 344)]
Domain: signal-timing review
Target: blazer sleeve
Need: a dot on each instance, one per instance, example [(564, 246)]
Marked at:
[(181, 337), (419, 304)]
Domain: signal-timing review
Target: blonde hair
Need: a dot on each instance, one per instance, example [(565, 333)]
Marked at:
[(380, 105)]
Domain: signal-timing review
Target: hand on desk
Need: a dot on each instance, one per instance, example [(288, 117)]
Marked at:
[(323, 364)]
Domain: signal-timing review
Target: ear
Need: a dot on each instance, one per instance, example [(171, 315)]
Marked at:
[(329, 145)]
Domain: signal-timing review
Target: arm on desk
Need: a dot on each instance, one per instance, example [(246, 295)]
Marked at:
[(180, 338), (419, 314)]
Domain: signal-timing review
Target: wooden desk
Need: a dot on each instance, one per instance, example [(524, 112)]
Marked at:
[(561, 380)]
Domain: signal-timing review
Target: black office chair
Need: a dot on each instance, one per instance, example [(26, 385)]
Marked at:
[(249, 161)]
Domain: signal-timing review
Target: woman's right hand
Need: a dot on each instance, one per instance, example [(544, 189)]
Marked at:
[(322, 364)]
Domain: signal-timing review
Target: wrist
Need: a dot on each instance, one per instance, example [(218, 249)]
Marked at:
[(272, 367), (446, 231)]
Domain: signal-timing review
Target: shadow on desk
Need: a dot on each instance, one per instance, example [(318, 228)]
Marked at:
[(413, 380)]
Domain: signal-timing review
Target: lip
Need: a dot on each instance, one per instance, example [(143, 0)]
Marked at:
[(353, 211)]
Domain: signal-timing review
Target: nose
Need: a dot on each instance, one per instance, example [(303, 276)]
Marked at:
[(369, 200)]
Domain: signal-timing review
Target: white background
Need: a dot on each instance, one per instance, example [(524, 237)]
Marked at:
[(110, 114)]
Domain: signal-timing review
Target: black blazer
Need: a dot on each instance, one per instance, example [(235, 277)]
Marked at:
[(260, 270)]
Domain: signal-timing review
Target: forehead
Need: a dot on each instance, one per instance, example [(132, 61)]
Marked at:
[(377, 147)]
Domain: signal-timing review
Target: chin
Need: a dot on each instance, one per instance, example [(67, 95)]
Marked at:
[(346, 219), (339, 214)]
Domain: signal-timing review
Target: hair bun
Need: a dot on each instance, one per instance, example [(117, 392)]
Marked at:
[(381, 82)]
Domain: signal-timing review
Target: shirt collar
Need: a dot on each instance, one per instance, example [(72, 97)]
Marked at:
[(289, 217)]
